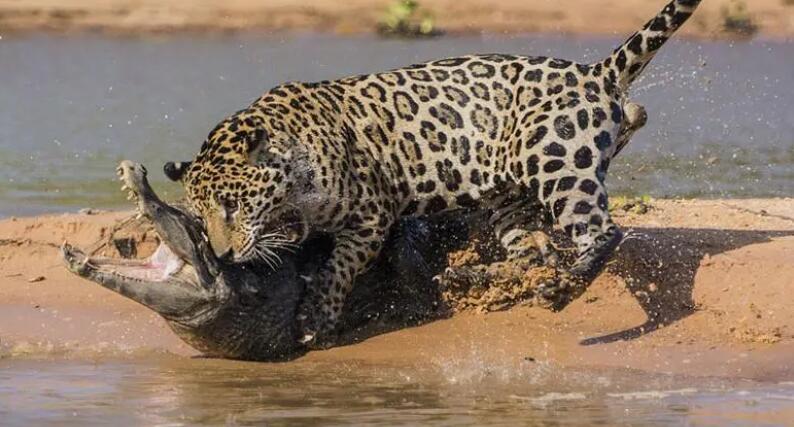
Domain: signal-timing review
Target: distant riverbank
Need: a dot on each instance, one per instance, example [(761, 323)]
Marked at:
[(771, 18)]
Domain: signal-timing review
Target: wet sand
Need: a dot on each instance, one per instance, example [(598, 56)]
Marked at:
[(703, 288), (774, 17)]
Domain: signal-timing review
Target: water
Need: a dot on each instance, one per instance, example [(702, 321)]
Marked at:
[(721, 122), (175, 391)]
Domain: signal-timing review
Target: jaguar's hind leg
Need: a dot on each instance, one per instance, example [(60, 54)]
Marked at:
[(583, 213)]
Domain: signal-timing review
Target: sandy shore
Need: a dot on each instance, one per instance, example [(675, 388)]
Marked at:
[(775, 18), (703, 289)]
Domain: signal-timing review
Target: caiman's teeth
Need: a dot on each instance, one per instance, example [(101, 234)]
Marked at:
[(138, 215), (124, 187), (131, 196)]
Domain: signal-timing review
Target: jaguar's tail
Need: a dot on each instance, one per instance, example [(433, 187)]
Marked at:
[(633, 56)]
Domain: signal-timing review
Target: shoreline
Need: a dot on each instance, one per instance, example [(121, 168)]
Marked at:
[(774, 18), (716, 270)]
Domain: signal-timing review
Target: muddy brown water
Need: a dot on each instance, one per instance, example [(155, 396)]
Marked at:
[(70, 108), (164, 390)]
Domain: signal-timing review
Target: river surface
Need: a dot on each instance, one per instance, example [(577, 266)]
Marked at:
[(721, 116), (167, 391)]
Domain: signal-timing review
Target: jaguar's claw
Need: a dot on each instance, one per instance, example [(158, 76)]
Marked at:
[(559, 294)]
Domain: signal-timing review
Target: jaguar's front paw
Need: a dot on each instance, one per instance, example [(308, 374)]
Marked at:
[(316, 331), (556, 294), (318, 341)]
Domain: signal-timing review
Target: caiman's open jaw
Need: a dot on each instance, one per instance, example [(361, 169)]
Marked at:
[(162, 266), (177, 279), (163, 282)]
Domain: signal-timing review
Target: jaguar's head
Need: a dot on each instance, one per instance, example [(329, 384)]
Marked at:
[(239, 185)]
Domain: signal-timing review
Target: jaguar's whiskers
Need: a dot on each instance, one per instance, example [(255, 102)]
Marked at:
[(268, 245)]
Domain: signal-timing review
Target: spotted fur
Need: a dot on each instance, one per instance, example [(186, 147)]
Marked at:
[(522, 136)]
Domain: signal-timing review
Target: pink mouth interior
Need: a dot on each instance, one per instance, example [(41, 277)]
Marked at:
[(161, 265)]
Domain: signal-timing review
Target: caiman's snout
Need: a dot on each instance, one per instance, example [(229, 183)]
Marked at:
[(75, 260), (178, 279), (220, 308), (162, 282)]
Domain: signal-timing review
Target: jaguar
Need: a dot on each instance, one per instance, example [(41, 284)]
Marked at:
[(519, 136)]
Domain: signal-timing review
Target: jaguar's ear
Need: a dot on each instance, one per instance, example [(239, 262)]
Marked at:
[(256, 144), (175, 170)]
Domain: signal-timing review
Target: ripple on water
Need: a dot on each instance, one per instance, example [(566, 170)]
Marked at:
[(171, 390)]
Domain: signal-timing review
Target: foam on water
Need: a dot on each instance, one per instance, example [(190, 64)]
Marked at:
[(549, 398), (653, 394)]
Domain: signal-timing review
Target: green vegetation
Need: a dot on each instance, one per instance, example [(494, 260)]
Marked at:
[(637, 205), (737, 20), (406, 18)]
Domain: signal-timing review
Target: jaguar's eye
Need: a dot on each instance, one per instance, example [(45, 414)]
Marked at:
[(229, 207)]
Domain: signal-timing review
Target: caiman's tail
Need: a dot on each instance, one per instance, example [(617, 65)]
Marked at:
[(628, 60)]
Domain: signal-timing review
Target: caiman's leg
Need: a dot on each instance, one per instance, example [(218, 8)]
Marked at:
[(517, 222), (634, 118)]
